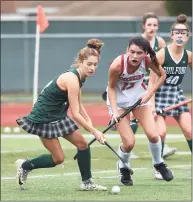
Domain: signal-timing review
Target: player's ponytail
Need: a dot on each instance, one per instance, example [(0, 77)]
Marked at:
[(153, 57), (92, 49)]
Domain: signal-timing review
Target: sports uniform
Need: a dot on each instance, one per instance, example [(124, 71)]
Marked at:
[(130, 87), (170, 92), (48, 117)]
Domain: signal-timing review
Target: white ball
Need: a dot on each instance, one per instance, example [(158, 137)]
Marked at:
[(7, 130), (115, 189), (16, 130)]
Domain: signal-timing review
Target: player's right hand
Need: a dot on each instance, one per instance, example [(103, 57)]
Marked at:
[(114, 117), (99, 136)]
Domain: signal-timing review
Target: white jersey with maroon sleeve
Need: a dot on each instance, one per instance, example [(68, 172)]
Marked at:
[(130, 87)]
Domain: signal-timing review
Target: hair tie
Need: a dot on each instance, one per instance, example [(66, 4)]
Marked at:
[(92, 46)]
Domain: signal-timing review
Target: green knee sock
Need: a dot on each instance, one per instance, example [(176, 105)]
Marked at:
[(84, 163), (190, 144), (162, 148), (43, 161), (134, 126)]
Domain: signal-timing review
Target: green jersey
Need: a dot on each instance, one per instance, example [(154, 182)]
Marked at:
[(155, 48), (174, 70), (156, 45), (52, 103)]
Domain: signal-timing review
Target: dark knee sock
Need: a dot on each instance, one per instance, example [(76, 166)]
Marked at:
[(134, 126), (43, 161), (162, 148), (190, 144), (84, 163)]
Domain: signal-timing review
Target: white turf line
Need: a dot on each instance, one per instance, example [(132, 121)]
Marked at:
[(108, 135), (94, 172), (70, 148)]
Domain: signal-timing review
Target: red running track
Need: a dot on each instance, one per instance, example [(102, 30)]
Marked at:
[(98, 113)]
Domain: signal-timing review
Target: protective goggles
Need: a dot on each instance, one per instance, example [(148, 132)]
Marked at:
[(180, 31)]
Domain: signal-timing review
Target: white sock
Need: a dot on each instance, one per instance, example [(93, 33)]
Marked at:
[(155, 149), (126, 158)]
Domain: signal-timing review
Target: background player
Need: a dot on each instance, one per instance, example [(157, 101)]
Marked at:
[(174, 58)]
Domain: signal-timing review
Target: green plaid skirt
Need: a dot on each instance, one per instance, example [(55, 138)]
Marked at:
[(54, 129), (168, 95)]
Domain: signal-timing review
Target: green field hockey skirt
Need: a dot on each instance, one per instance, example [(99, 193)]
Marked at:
[(50, 130)]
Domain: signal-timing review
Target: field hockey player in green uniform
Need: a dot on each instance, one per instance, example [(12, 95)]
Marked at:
[(175, 59), (49, 120)]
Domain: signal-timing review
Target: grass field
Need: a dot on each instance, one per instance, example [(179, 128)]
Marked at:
[(62, 182)]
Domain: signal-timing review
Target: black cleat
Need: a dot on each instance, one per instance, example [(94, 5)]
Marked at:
[(164, 171), (125, 176)]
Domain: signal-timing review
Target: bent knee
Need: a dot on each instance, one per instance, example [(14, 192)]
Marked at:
[(153, 138), (58, 159), (82, 145), (128, 146)]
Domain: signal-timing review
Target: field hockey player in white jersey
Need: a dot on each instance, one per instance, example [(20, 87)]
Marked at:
[(150, 26), (125, 86)]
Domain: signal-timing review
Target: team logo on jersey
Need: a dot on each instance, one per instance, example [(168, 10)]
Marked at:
[(183, 61)]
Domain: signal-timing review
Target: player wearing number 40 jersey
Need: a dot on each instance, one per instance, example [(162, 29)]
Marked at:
[(125, 86), (174, 58)]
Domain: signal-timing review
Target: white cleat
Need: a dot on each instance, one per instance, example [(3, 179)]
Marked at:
[(157, 175), (91, 186), (21, 176), (167, 151)]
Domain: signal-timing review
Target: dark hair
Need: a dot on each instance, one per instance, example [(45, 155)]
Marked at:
[(181, 19), (147, 16), (146, 47), (92, 49)]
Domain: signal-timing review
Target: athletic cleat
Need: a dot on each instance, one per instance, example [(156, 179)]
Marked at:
[(167, 151), (89, 185), (21, 176), (125, 176), (164, 171), (157, 175)]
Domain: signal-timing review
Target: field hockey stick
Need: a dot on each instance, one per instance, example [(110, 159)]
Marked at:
[(114, 122), (126, 165), (166, 109), (162, 111)]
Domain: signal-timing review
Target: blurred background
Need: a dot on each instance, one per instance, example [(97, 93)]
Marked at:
[(72, 23)]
